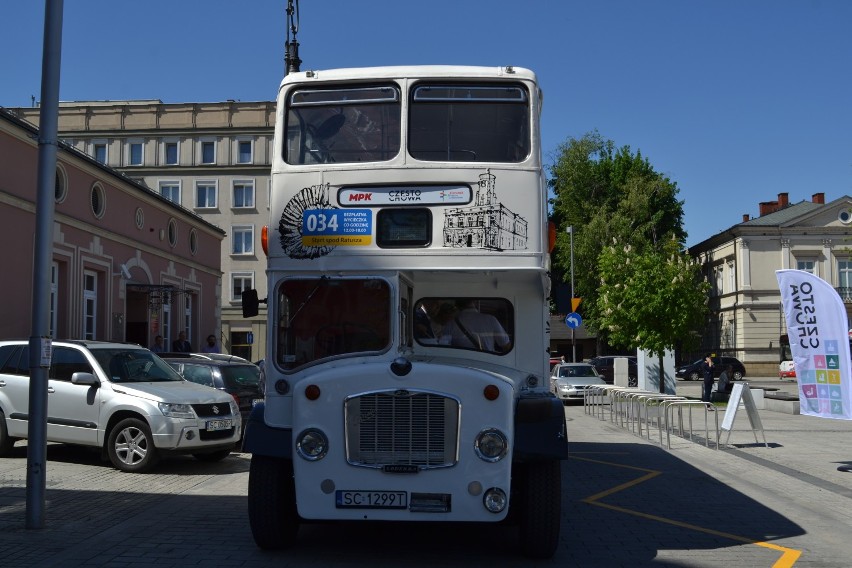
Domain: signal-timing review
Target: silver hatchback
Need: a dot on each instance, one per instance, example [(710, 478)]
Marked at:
[(118, 397)]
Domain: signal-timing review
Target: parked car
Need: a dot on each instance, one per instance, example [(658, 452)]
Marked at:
[(568, 381), (121, 398), (605, 366), (692, 371), (238, 378)]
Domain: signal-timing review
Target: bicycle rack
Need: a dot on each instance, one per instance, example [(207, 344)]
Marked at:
[(671, 405)]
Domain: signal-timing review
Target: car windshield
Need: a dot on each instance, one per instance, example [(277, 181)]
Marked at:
[(134, 366), (577, 371), (237, 376)]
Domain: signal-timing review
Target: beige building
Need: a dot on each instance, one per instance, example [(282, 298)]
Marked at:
[(127, 264), (213, 159), (746, 318)]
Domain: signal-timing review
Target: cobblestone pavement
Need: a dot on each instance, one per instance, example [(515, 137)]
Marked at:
[(627, 501)]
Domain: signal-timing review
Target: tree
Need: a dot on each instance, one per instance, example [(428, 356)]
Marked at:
[(607, 193), (652, 299)]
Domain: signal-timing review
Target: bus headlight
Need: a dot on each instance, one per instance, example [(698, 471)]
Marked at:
[(491, 445), (312, 444), (494, 500)]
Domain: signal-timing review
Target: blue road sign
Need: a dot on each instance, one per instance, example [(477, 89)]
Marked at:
[(573, 320)]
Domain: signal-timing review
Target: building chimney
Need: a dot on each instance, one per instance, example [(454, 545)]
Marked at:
[(767, 207), (782, 200), (818, 198), (745, 217)]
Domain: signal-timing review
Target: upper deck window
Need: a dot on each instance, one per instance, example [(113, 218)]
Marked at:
[(342, 125), (469, 123)]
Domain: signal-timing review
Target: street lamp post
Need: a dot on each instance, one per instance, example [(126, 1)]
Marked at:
[(573, 339)]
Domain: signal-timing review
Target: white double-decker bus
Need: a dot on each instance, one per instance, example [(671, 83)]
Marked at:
[(407, 368)]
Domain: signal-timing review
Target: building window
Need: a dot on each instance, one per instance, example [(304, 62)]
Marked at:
[(244, 152), (54, 297), (170, 153), (806, 265), (167, 322), (208, 151), (205, 194), (90, 305), (187, 317), (135, 153), (170, 190), (242, 237), (140, 218), (172, 233), (193, 241), (243, 194), (98, 201), (719, 281), (99, 151), (241, 281), (60, 186), (844, 275)]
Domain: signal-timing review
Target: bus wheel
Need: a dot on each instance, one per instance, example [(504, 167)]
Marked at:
[(540, 509), (272, 502)]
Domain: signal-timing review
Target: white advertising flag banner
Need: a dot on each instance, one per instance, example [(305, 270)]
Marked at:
[(819, 339)]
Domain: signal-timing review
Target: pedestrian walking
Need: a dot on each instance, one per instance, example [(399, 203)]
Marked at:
[(181, 345), (211, 346), (707, 371)]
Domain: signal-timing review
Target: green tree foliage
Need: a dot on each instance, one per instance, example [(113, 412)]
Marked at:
[(607, 193), (652, 299)]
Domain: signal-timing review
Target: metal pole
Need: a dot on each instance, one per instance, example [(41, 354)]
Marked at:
[(40, 343), (573, 330)]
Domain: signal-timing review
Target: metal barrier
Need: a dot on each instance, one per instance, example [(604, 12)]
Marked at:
[(631, 408), (679, 405)]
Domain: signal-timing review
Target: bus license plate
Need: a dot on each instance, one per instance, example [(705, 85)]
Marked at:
[(213, 425), (371, 499)]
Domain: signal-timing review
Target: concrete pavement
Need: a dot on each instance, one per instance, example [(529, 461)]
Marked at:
[(627, 502)]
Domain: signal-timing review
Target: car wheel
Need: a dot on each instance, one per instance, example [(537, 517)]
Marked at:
[(632, 382), (212, 456), (694, 376), (737, 375), (272, 512), (6, 443), (130, 446), (538, 494)]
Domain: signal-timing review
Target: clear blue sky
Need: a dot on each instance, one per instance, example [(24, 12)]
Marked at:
[(735, 100)]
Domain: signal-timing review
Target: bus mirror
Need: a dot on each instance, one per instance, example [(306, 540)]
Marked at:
[(250, 303)]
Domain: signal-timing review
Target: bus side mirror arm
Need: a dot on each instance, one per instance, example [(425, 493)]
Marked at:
[(251, 303)]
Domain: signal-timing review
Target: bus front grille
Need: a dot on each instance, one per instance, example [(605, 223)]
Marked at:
[(402, 430)]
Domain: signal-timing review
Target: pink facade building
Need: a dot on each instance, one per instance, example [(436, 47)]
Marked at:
[(128, 264)]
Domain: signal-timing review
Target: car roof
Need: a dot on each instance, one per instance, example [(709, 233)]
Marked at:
[(189, 360), (88, 343)]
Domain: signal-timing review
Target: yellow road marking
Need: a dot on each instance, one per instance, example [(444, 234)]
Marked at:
[(788, 555)]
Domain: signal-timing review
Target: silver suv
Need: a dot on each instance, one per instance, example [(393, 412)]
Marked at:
[(121, 398)]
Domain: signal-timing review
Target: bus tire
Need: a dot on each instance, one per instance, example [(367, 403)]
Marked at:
[(272, 503), (540, 493)]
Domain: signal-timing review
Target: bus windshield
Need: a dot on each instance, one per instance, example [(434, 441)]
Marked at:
[(478, 324), (469, 123), (342, 125), (326, 317)]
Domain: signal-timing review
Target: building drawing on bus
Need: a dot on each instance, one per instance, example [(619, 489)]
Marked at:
[(407, 373), (487, 224)]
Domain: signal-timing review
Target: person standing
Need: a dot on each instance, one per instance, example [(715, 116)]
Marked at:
[(158, 346), (181, 345), (211, 346), (707, 371)]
